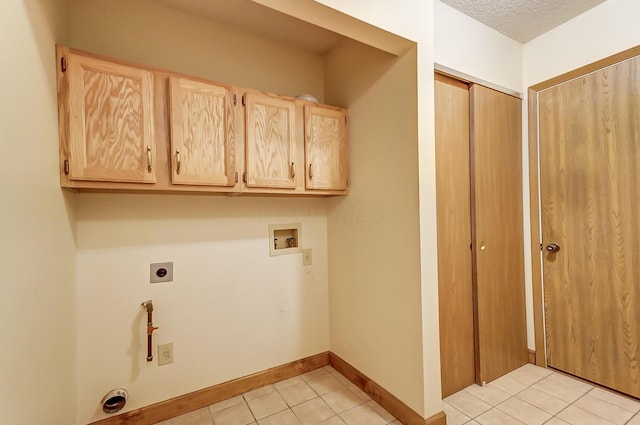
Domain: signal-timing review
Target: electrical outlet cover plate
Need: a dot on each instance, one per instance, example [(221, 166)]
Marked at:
[(165, 353), (307, 259), (161, 272)]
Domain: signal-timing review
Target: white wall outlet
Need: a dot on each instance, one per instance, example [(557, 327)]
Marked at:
[(307, 259), (165, 353)]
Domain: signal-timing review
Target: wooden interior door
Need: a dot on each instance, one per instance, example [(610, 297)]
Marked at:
[(111, 126), (498, 247), (270, 141), (453, 197), (589, 138), (325, 146), (202, 133)]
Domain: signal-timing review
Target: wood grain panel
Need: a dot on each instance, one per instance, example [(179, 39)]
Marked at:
[(453, 208), (202, 143), (111, 128), (498, 251), (163, 159), (270, 141), (590, 191), (325, 148)]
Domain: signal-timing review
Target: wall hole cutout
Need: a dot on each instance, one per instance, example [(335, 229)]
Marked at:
[(284, 238)]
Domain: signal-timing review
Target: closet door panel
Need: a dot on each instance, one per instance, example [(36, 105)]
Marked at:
[(496, 151), (453, 195)]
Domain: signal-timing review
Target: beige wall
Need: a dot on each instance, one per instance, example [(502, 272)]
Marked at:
[(469, 47), (413, 20), (608, 28), (153, 34), (37, 313), (374, 238), (232, 309)]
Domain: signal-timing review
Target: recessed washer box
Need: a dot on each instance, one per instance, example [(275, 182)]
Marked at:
[(284, 238)]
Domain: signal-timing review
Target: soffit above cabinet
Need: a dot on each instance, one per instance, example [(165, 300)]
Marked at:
[(261, 20)]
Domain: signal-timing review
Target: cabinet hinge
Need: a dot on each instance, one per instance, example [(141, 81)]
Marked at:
[(540, 247), (471, 246), (63, 64), (244, 100), (235, 100), (244, 177), (236, 177), (345, 120), (66, 167)]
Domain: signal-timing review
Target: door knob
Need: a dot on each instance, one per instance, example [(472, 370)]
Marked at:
[(553, 247)]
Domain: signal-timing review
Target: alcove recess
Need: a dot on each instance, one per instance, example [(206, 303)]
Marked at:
[(251, 74)]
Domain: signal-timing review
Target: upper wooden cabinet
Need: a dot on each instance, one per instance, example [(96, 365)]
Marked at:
[(270, 141), (325, 144), (202, 133), (108, 120), (132, 128)]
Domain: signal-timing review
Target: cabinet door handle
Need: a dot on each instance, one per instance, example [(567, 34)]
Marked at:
[(310, 171), (177, 161), (149, 159), (293, 170)]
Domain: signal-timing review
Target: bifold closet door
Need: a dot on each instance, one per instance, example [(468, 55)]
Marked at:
[(497, 232), (454, 234)]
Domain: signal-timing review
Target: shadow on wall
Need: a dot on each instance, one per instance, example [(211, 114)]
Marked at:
[(45, 24), (128, 219)]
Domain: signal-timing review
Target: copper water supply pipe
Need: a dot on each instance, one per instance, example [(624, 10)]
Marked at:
[(150, 328)]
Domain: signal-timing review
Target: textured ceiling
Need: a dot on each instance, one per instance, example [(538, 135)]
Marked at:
[(522, 20)]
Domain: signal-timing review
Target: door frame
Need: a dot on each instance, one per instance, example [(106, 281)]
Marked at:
[(534, 188)]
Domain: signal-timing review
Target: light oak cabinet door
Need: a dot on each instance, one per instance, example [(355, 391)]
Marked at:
[(270, 142), (325, 145), (202, 133), (111, 130)]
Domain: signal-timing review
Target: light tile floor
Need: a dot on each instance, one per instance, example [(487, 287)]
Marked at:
[(533, 395), (322, 396)]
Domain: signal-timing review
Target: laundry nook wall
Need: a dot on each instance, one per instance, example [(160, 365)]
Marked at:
[(232, 309)]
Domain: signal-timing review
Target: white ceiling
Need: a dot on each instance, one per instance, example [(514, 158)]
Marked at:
[(522, 20)]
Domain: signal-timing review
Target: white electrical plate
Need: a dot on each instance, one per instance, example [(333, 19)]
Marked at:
[(165, 354), (307, 258)]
